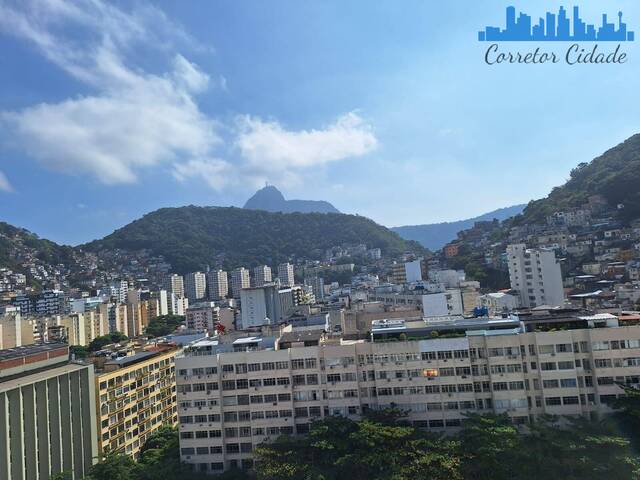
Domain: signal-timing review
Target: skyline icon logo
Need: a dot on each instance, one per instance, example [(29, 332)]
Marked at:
[(556, 28)]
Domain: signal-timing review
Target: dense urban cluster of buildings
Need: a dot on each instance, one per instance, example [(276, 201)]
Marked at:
[(263, 352)]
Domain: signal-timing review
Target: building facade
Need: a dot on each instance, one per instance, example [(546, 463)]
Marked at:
[(239, 280), (217, 285), (195, 286), (286, 275), (535, 274), (261, 275), (47, 419), (136, 395), (233, 397)]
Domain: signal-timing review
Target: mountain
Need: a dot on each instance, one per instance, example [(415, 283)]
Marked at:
[(192, 237), (271, 199), (615, 175), (435, 235), (19, 246)]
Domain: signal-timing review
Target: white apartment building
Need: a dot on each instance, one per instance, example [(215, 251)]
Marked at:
[(536, 275), (442, 304), (175, 285), (413, 271), (239, 280), (179, 305), (286, 275), (217, 284), (259, 306), (261, 275), (195, 286), (233, 396)]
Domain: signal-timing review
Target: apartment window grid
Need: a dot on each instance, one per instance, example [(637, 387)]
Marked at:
[(437, 387)]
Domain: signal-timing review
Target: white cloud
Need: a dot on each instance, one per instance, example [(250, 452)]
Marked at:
[(5, 186), (214, 172), (268, 146), (134, 119)]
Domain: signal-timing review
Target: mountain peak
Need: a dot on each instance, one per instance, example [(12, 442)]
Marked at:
[(269, 198)]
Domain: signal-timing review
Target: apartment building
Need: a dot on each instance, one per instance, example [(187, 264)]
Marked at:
[(195, 286), (47, 425), (136, 395), (285, 275), (175, 285), (217, 285), (239, 280), (233, 396), (202, 316), (535, 274), (261, 275)]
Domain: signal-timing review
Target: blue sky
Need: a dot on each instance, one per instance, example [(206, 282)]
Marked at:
[(386, 109)]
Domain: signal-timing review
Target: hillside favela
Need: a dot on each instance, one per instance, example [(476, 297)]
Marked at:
[(239, 241)]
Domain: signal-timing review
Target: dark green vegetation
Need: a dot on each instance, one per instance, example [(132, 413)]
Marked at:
[(191, 237), (383, 447), (488, 447), (435, 235), (615, 175), (270, 199), (163, 325), (99, 343)]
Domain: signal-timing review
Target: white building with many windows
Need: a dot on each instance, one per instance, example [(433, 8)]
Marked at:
[(233, 396), (535, 274)]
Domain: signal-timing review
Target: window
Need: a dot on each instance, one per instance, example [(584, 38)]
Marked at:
[(227, 368), (552, 401), (546, 366), (573, 400), (297, 364), (499, 386), (253, 367), (602, 363), (545, 349), (568, 383), (268, 366), (282, 365), (566, 365), (550, 383)]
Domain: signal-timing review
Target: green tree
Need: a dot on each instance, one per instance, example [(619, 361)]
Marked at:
[(114, 466), (99, 343), (163, 325)]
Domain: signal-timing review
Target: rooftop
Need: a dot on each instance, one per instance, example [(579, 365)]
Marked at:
[(28, 350)]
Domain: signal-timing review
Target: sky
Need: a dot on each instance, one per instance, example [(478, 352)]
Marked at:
[(110, 110)]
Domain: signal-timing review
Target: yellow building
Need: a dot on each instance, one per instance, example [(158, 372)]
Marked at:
[(136, 395)]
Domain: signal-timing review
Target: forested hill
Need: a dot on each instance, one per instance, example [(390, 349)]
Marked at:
[(615, 175), (191, 237), (19, 247)]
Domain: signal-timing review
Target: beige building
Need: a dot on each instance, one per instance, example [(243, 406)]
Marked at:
[(15, 329), (232, 397), (136, 395), (47, 419)]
